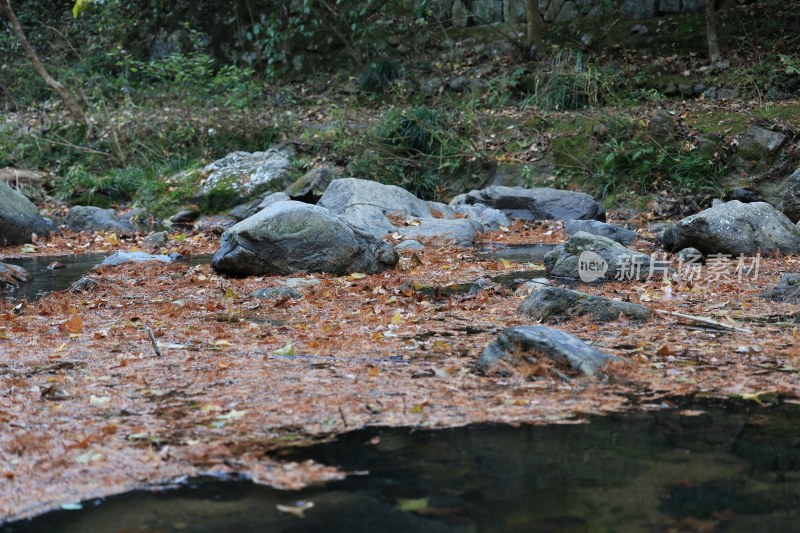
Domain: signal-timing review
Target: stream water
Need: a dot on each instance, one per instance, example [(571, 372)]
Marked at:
[(713, 468)]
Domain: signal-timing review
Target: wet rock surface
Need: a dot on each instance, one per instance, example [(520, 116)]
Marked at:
[(525, 344), (560, 303), (289, 237)]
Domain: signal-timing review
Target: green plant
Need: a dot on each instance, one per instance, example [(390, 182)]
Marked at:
[(378, 75)]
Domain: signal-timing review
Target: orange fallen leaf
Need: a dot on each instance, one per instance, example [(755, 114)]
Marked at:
[(73, 325)]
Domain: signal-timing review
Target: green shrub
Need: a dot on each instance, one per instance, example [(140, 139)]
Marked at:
[(378, 75)]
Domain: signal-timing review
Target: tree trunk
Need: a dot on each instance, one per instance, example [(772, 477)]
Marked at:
[(74, 109), (535, 25), (711, 32)]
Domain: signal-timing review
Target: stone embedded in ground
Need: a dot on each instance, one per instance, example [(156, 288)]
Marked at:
[(524, 344), (118, 258), (623, 263), (409, 245), (383, 209), (19, 218), (489, 217), (595, 227), (157, 238), (760, 145), (13, 275), (735, 228), (559, 302), (537, 204), (245, 174), (790, 204), (185, 217), (88, 218), (787, 289), (276, 293), (289, 237), (690, 255)]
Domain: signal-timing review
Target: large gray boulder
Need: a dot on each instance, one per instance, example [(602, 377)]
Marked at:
[(372, 206), (609, 259), (88, 218), (558, 302), (19, 218), (289, 237), (538, 203), (525, 344), (595, 227), (735, 228), (247, 173), (119, 258)]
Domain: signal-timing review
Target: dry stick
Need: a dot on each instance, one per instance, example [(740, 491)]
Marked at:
[(153, 340), (703, 320)]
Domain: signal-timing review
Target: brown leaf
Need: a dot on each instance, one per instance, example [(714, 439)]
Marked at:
[(73, 325)]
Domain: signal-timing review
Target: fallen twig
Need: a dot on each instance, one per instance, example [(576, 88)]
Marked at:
[(703, 320), (153, 340)]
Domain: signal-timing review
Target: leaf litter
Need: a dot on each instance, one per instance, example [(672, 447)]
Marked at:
[(88, 409)]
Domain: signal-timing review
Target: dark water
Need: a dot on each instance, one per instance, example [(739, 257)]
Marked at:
[(713, 469), (46, 280), (75, 266)]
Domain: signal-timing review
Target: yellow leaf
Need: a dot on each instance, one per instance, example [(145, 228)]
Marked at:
[(112, 239), (357, 275), (233, 414), (397, 318), (506, 263), (288, 349)]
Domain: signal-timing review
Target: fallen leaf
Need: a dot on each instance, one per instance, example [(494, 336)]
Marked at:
[(288, 349)]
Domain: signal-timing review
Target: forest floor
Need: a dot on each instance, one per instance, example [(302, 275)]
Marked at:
[(91, 410)]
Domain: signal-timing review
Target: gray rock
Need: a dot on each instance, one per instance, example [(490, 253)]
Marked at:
[(611, 231), (157, 238), (524, 344), (431, 86), (83, 284), (408, 245), (661, 126), (760, 144), (621, 262), (558, 302), (365, 204), (299, 282), (639, 29), (13, 275), (289, 237), (538, 203), (246, 174), (214, 223), (87, 218), (529, 287), (185, 217), (440, 210), (19, 218), (787, 289), (488, 217), (459, 84), (243, 211), (276, 293), (689, 255), (791, 197), (118, 258), (735, 228), (461, 230), (311, 186)]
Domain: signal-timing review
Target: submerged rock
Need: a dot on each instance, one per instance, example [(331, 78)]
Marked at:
[(88, 218), (735, 228), (525, 344), (13, 275), (595, 227), (537, 204), (289, 237), (19, 218), (118, 258), (276, 293), (609, 259), (558, 302)]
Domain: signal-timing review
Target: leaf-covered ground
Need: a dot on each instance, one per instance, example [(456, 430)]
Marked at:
[(88, 409)]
